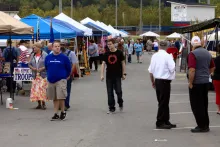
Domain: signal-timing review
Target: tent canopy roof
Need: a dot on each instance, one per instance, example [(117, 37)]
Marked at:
[(150, 34), (10, 25), (174, 35), (60, 31), (63, 17), (200, 26)]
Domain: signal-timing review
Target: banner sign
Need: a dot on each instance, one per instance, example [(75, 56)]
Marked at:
[(23, 74)]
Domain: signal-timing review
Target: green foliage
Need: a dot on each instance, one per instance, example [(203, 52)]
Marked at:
[(103, 10)]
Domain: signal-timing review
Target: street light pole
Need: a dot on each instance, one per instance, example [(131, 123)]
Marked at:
[(159, 17), (116, 14), (208, 2), (141, 7), (60, 6), (71, 9)]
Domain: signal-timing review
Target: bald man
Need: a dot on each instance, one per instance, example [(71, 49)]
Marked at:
[(48, 49)]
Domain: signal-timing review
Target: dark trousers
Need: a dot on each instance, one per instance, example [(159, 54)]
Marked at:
[(163, 97), (69, 85), (8, 84), (91, 60), (114, 84), (129, 58), (101, 58), (199, 104)]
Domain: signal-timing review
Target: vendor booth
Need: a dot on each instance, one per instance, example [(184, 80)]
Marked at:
[(9, 27), (202, 30)]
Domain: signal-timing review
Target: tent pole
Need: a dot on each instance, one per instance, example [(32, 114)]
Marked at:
[(77, 54), (11, 72)]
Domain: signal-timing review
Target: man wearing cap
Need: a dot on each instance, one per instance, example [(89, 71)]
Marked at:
[(162, 72), (200, 65)]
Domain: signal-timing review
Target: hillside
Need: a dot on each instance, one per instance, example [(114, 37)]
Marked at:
[(103, 10)]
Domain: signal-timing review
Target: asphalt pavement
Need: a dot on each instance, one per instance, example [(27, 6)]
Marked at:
[(88, 124)]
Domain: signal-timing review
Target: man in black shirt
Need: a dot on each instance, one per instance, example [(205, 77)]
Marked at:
[(115, 71)]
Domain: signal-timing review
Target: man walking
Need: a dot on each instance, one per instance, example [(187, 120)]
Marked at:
[(162, 72), (200, 66), (93, 54), (115, 61), (58, 69), (73, 61)]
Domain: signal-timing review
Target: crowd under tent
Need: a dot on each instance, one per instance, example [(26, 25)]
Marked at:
[(209, 24)]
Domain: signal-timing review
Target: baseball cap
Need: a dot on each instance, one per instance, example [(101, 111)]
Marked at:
[(196, 41)]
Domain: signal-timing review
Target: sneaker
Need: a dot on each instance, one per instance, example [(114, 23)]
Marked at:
[(55, 117), (110, 112), (67, 108), (63, 115), (120, 109), (38, 107)]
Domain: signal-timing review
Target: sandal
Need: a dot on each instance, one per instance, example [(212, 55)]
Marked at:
[(38, 107)]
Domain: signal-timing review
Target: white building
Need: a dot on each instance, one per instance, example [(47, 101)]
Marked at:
[(181, 12)]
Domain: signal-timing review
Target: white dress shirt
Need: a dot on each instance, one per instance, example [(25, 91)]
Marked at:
[(162, 66)]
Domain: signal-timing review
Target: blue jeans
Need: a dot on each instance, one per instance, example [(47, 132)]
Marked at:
[(69, 85)]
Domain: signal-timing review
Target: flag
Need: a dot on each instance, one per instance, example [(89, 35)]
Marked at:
[(51, 32), (38, 30)]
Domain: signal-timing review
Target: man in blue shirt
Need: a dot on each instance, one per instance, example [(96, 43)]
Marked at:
[(58, 69)]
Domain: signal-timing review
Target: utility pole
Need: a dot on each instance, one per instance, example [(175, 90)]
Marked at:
[(159, 16), (116, 14), (141, 23), (71, 15), (60, 6), (208, 2)]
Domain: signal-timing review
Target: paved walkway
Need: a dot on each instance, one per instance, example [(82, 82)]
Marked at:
[(88, 125)]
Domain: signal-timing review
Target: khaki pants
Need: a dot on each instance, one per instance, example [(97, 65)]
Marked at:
[(58, 90)]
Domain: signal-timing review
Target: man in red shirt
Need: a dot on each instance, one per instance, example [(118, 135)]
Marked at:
[(174, 51), (200, 65)]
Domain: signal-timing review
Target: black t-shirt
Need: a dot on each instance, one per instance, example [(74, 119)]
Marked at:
[(217, 69), (113, 61)]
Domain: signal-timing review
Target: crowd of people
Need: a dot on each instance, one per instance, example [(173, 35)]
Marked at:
[(57, 63)]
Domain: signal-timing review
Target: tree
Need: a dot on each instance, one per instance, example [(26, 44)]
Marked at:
[(47, 6)]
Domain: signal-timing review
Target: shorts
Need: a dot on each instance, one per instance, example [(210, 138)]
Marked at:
[(58, 90), (138, 53)]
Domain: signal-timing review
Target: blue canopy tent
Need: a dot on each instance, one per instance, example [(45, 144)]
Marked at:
[(67, 25), (42, 27), (124, 32)]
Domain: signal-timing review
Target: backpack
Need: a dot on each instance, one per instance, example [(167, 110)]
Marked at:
[(14, 54)]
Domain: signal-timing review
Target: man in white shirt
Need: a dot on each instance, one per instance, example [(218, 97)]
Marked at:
[(162, 72)]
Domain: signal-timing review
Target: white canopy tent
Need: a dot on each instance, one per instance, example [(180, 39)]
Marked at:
[(211, 37), (65, 18), (97, 24), (17, 17), (174, 35), (150, 34), (118, 32)]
